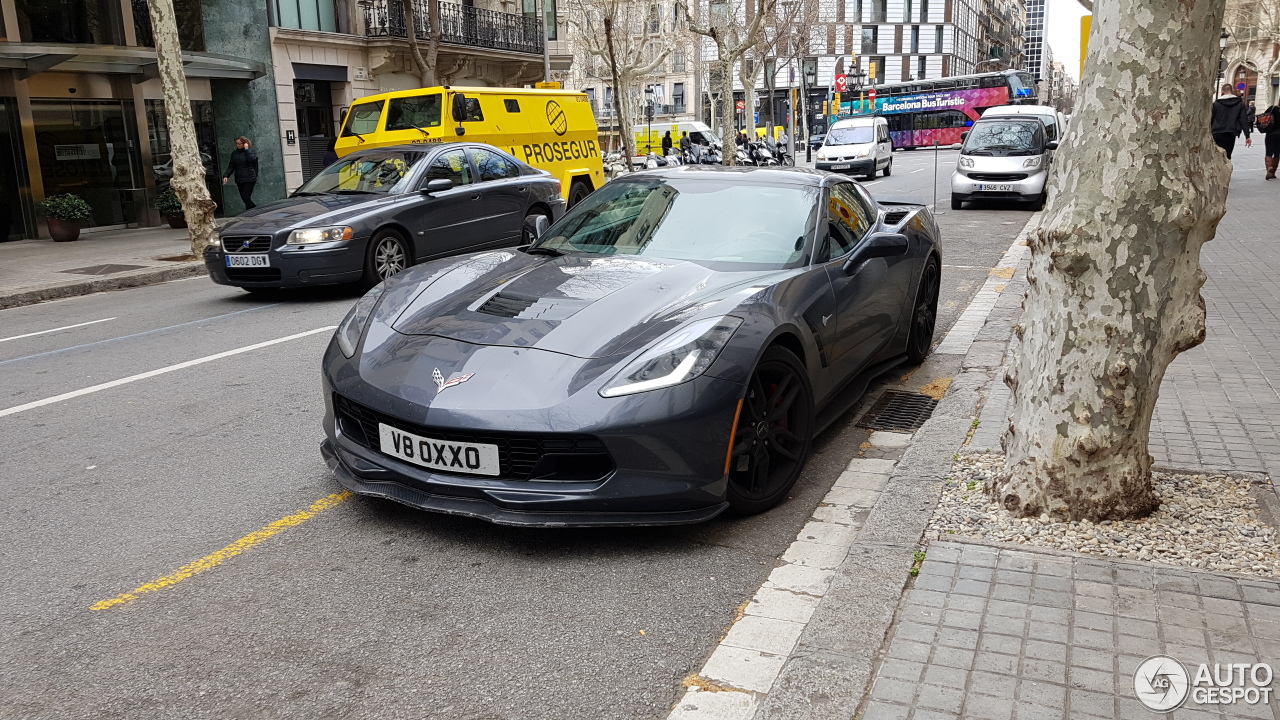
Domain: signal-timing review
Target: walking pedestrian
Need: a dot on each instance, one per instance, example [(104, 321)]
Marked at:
[(1230, 118), (243, 165), (666, 144), (1268, 123)]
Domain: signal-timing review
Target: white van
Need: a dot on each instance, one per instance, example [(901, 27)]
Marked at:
[(699, 134), (857, 145), (1055, 123)]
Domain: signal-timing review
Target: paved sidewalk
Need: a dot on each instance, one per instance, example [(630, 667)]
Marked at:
[(33, 271), (997, 634)]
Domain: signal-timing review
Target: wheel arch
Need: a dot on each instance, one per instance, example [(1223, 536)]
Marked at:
[(404, 234)]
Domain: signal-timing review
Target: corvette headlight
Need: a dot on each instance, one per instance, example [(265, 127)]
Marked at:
[(683, 355), (1031, 162), (310, 236), (352, 325), (966, 162)]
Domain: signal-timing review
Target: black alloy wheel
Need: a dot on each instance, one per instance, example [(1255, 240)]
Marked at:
[(924, 315), (578, 192), (388, 254), (774, 433), (529, 232)]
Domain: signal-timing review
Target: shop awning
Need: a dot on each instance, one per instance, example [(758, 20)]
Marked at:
[(31, 58)]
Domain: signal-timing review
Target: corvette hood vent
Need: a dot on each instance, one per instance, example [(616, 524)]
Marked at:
[(508, 305), (505, 306)]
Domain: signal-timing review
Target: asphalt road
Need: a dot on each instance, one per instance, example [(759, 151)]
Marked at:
[(364, 609)]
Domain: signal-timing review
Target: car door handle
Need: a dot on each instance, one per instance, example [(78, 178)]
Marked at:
[(476, 196)]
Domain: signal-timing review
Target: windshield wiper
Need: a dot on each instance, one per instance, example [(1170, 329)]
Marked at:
[(307, 193), (358, 135), (543, 250), (354, 192)]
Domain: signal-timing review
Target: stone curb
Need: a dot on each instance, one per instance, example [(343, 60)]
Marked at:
[(131, 279), (829, 673)]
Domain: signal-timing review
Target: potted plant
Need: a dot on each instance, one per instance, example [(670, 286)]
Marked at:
[(170, 209), (64, 213)]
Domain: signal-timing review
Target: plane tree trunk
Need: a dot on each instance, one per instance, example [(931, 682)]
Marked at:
[(1115, 272), (188, 181)]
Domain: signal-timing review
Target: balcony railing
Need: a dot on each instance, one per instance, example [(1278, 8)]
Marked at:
[(459, 24)]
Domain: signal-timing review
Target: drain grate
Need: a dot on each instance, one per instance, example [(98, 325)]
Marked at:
[(108, 269), (898, 410)]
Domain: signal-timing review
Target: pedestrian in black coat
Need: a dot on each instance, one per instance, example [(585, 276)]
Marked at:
[(1230, 118), (243, 168), (666, 144)]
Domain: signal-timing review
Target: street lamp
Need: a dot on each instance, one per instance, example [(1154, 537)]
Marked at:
[(648, 112), (809, 77), (1222, 52)]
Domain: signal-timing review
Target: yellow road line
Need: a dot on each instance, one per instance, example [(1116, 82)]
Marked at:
[(208, 562)]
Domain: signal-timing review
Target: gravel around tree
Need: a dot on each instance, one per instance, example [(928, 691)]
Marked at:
[(1206, 521)]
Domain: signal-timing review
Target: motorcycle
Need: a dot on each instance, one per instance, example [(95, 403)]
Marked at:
[(614, 165), (760, 154)]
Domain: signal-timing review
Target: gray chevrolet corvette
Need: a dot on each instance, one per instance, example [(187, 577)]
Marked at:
[(663, 353)]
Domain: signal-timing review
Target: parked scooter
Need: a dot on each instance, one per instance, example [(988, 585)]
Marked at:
[(760, 154)]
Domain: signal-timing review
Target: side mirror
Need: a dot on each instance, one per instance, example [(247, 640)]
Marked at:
[(878, 245), (1053, 145), (438, 185), (459, 107), (540, 225), (964, 135)]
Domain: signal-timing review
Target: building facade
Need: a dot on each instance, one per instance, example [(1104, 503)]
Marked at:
[(82, 110), (1001, 35), (1252, 56), (1037, 55)]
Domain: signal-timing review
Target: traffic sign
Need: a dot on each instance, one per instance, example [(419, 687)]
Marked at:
[(741, 105), (842, 83), (872, 94), (1241, 87)]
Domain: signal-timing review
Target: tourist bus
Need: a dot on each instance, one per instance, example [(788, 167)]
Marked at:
[(924, 112)]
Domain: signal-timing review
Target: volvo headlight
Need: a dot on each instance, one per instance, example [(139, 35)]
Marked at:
[(1031, 162), (352, 325), (966, 162), (310, 236), (681, 356)]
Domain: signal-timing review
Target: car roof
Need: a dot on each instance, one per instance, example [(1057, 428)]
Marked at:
[(1009, 118), (1021, 110), (856, 122)]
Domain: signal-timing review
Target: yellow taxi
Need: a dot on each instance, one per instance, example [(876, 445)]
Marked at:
[(553, 130)]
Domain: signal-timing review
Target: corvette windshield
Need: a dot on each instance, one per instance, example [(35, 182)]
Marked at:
[(713, 221)]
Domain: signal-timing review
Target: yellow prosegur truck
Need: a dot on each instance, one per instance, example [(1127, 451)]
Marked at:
[(554, 130)]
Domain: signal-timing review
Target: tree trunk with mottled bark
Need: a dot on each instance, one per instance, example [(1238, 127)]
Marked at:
[(620, 93), (188, 181), (728, 114), (1115, 271), (426, 64)]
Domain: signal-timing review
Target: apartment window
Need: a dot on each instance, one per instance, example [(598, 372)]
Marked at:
[(530, 9), (876, 70), (921, 66), (190, 24), (879, 11), (915, 38), (719, 11), (85, 22), (924, 11), (857, 12), (591, 97), (870, 38), (306, 15), (677, 96), (677, 62), (937, 39), (655, 22), (608, 98), (906, 11)]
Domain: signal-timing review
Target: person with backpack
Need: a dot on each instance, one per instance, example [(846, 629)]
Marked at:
[(1268, 123), (1230, 118)]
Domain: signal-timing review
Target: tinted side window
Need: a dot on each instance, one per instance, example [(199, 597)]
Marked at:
[(473, 113), (513, 106), (492, 166), (847, 219), (363, 119), (413, 112), (451, 165)]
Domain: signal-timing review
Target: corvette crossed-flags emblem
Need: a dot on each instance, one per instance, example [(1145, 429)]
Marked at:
[(442, 384)]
